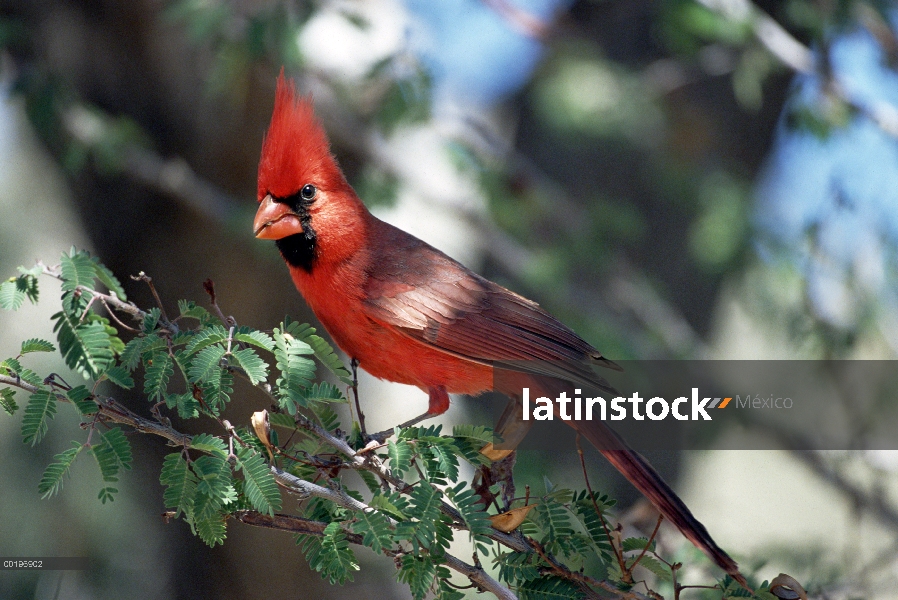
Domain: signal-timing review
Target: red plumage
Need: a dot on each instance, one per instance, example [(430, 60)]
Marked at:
[(295, 146), (410, 314)]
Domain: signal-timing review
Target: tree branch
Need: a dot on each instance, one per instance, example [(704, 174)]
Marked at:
[(110, 411), (801, 59), (303, 526)]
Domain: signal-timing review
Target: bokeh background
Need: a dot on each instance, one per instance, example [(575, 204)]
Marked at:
[(672, 178)]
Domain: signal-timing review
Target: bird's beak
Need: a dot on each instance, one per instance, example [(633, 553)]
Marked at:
[(275, 220)]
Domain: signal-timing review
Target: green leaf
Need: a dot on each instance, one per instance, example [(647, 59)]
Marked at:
[(40, 409), (112, 453), (212, 530), (656, 567), (77, 268), (516, 567), (27, 282), (258, 483), (130, 355), (324, 352), (52, 480), (475, 432), (444, 590), (215, 488), (83, 400), (13, 367), (107, 494), (206, 364), (429, 529), (10, 366), (34, 271), (324, 392), (151, 320), (85, 346), (592, 522), (400, 453), (281, 420), (36, 345), (443, 453), (370, 481), (12, 294), (469, 449), (102, 273), (549, 588), (376, 531), (327, 416), (254, 367), (188, 406), (157, 374), (180, 483), (189, 310), (576, 547), (637, 544), (217, 389), (297, 372), (118, 446), (468, 441), (8, 400), (553, 519), (386, 504), (471, 509), (335, 560), (107, 461), (405, 100), (119, 376), (14, 290), (255, 338), (418, 572), (213, 334), (211, 444), (430, 433)]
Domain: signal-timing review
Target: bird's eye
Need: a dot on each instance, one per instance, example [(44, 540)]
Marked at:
[(308, 191)]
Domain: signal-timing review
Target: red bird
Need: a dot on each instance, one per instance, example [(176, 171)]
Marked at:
[(408, 313)]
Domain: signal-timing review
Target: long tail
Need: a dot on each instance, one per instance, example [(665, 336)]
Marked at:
[(630, 463), (643, 476)]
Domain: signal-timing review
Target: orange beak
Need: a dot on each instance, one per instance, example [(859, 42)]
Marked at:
[(275, 220)]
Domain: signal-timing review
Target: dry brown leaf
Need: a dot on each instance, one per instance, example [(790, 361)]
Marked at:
[(511, 520)]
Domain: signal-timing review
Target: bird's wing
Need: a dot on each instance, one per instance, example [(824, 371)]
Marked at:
[(437, 301)]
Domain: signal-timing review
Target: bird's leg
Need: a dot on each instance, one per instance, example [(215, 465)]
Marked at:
[(510, 431), (354, 364), (438, 403)]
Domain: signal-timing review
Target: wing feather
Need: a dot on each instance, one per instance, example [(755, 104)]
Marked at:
[(437, 301)]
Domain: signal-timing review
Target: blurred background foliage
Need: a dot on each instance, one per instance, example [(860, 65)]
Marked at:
[(672, 178)]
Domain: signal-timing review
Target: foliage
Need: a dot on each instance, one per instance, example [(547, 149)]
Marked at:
[(417, 500), (649, 95)]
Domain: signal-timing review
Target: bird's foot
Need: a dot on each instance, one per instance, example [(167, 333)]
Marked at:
[(382, 436)]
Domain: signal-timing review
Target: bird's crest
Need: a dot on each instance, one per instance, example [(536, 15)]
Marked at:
[(296, 150)]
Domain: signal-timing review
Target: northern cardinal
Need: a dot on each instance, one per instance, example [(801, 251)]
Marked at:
[(408, 313)]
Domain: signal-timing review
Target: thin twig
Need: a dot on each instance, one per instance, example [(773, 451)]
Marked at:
[(586, 582), (209, 288), (86, 308), (109, 300), (618, 553), (649, 543), (115, 318), (354, 363), (113, 412), (149, 281)]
